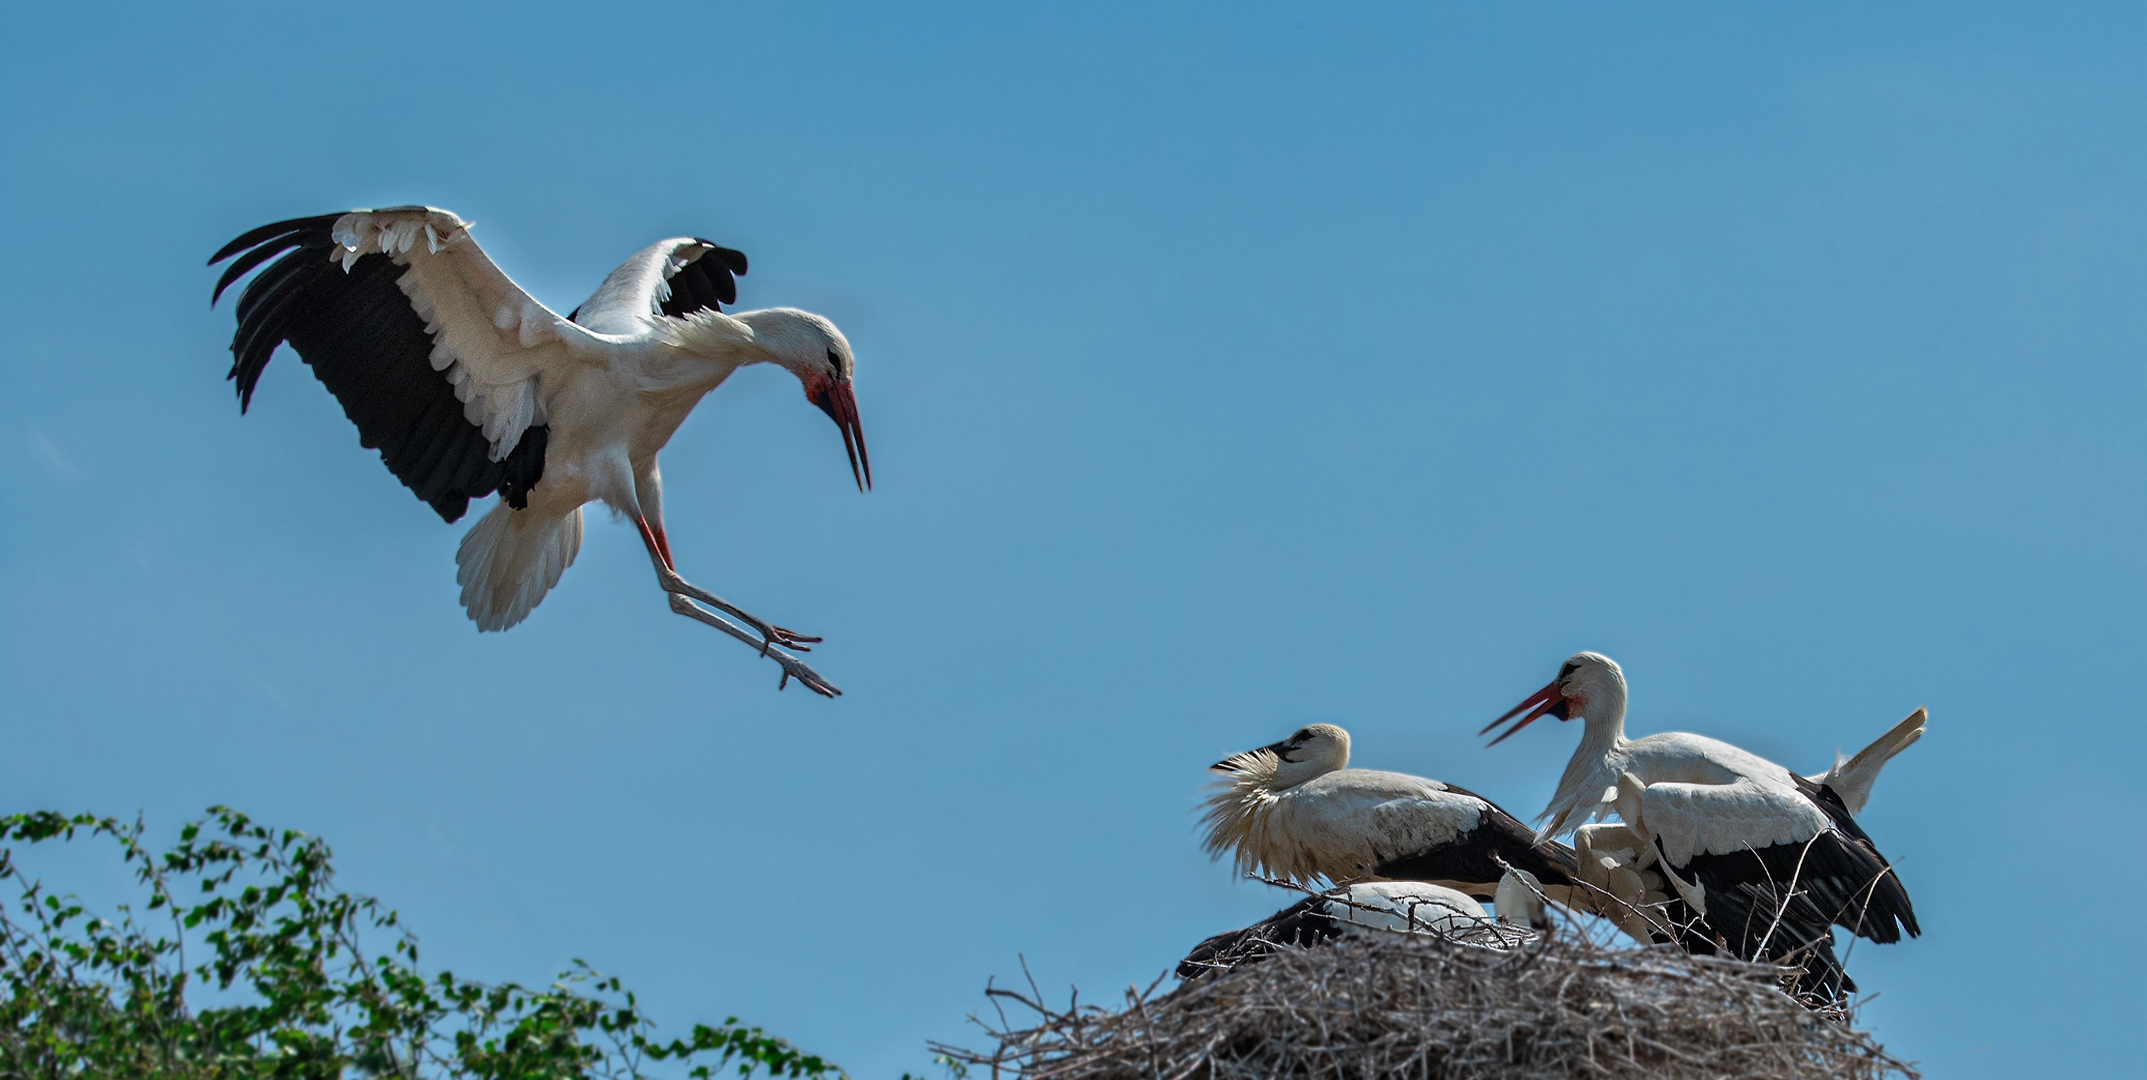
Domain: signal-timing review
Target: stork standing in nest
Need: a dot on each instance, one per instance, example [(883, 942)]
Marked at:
[(1764, 860), (1294, 810), (468, 386)]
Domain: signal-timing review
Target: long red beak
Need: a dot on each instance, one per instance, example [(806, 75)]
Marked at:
[(1545, 701), (840, 404)]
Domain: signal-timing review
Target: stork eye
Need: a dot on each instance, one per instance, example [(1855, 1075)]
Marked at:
[(832, 362)]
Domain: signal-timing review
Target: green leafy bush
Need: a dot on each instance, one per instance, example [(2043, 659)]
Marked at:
[(296, 993)]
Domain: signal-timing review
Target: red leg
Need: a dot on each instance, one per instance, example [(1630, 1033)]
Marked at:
[(655, 541), (667, 576)]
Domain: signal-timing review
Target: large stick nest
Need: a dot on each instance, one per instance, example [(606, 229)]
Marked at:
[(1394, 1005)]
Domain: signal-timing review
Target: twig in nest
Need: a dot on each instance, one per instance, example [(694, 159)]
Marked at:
[(1377, 1005)]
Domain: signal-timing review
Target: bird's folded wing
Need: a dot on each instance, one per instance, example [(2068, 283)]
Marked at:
[(1416, 823), (1717, 819), (493, 341)]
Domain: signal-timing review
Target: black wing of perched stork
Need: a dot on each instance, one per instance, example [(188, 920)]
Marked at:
[(1301, 925), (1848, 877), (1836, 878), (1799, 942), (1470, 860), (1776, 901), (403, 324), (1402, 907)]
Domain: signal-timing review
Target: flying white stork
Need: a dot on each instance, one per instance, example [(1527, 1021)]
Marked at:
[(1295, 811), (1401, 907), (1764, 860), (467, 385)]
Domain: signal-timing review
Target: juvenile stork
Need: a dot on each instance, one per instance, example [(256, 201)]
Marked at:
[(468, 386), (1764, 860), (1400, 907), (1295, 811)]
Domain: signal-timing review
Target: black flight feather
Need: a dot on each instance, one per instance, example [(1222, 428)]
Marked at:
[(706, 283), (1467, 862), (365, 343), (1302, 924), (1780, 902)]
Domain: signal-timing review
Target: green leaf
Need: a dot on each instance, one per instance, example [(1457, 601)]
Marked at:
[(301, 993)]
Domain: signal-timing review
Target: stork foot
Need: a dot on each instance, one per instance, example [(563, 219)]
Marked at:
[(793, 668), (770, 634)]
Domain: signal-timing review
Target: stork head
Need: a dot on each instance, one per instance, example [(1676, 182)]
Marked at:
[(810, 348), (1314, 750), (1587, 680)]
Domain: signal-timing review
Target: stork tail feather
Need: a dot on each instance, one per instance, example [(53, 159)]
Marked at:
[(510, 559)]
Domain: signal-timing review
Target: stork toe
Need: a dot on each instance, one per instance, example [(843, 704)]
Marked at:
[(793, 668)]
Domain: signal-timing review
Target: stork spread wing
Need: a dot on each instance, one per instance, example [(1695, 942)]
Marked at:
[(435, 355), (672, 278), (701, 276)]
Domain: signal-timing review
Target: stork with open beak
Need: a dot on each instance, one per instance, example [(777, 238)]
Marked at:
[(1763, 859)]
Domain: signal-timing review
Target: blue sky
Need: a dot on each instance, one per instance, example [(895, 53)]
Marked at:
[(1223, 371)]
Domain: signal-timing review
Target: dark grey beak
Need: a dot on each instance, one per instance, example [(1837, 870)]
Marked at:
[(1280, 750)]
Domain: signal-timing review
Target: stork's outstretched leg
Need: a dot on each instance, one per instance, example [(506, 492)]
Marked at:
[(793, 668), (667, 576)]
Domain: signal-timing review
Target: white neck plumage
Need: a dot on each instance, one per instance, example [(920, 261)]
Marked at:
[(1581, 789), (732, 339), (711, 345)]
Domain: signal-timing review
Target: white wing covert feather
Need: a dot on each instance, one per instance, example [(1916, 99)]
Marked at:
[(493, 340), (1372, 816), (1719, 819), (637, 291), (1340, 826)]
